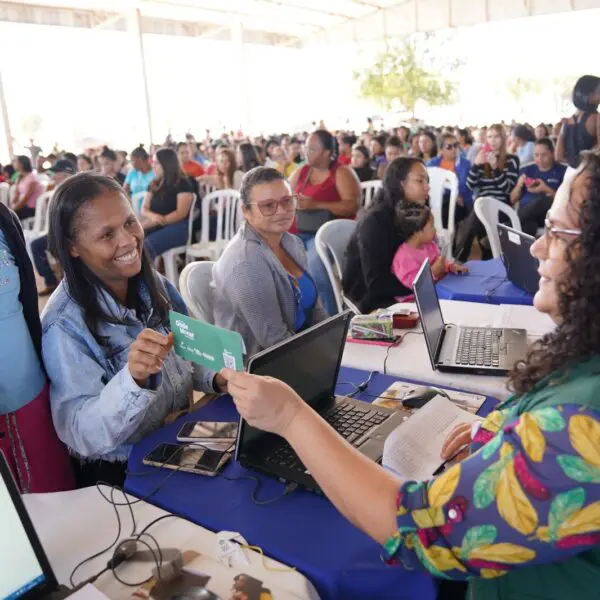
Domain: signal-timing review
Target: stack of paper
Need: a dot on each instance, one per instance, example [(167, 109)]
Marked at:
[(413, 449)]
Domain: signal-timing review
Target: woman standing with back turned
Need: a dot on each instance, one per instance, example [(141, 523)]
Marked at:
[(582, 130)]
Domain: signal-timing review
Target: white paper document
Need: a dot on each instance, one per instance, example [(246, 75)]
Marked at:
[(413, 449)]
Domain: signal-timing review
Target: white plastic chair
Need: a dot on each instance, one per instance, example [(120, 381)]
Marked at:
[(170, 256), (38, 224), (488, 210), (205, 189), (4, 193), (137, 200), (331, 242), (226, 203), (369, 189), (439, 181), (197, 289)]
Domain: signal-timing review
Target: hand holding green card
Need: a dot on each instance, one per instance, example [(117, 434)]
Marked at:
[(212, 347)]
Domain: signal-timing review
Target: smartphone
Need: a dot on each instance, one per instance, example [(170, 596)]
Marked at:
[(487, 148), (529, 181), (190, 458), (208, 431)]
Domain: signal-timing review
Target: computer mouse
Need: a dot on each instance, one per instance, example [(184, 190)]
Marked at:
[(420, 396)]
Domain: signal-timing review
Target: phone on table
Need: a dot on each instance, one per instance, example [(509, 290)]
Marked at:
[(188, 458), (203, 432)]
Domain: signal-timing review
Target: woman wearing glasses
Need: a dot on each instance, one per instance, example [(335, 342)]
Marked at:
[(519, 517), (451, 159), (263, 288)]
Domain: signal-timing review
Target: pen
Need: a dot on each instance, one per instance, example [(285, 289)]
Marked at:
[(449, 460)]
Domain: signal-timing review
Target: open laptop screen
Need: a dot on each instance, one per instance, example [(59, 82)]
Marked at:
[(308, 362), (22, 573), (429, 310)]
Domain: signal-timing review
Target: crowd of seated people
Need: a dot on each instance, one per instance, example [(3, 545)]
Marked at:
[(98, 372)]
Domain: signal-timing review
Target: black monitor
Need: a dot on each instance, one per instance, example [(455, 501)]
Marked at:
[(25, 572), (429, 310), (308, 362)]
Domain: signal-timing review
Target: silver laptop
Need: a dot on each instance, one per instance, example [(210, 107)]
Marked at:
[(479, 350), (521, 266)]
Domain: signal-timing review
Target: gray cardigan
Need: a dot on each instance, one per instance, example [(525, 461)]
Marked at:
[(253, 294)]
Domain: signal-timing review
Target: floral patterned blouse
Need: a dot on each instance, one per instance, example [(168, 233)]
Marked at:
[(528, 495)]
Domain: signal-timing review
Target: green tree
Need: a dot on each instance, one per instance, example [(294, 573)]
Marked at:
[(520, 87), (401, 77)]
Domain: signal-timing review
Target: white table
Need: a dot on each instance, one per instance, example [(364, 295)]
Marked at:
[(411, 360), (74, 525)]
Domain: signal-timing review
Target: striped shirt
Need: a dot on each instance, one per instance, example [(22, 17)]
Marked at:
[(500, 183)]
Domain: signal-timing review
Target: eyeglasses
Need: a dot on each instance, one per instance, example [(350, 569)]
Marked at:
[(269, 208), (451, 146), (554, 233)]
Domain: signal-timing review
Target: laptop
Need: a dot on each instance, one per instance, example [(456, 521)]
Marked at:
[(521, 267), (26, 572), (310, 363), (479, 350)]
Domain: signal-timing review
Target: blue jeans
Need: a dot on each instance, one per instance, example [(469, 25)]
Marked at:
[(162, 239), (38, 251), (317, 271)]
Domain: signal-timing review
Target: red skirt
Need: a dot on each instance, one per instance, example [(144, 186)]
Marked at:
[(39, 461)]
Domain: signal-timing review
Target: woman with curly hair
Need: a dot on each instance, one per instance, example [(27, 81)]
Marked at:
[(520, 516)]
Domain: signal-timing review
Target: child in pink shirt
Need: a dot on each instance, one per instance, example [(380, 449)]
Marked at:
[(419, 232)]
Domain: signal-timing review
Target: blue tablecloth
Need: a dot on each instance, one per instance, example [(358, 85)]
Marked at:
[(302, 529), (485, 282)]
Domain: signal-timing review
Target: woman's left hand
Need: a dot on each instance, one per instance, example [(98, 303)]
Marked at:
[(492, 159), (305, 202), (266, 403)]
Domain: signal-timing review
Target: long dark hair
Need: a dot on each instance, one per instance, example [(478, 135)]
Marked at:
[(329, 143), (25, 163), (391, 192), (249, 157), (434, 147), (585, 87), (71, 196), (577, 337), (172, 173)]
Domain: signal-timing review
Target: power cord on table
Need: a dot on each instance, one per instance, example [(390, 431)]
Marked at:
[(395, 345), (126, 548)]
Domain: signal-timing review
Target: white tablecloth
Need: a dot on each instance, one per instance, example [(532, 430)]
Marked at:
[(411, 360), (77, 524)]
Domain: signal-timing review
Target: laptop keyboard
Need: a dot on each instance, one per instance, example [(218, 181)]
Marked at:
[(479, 347), (349, 420)]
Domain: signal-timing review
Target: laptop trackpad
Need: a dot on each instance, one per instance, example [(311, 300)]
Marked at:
[(372, 449)]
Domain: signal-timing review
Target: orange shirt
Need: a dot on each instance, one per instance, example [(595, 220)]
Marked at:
[(193, 169), (449, 165)]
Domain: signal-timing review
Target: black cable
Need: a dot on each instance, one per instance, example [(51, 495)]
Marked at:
[(89, 558), (137, 584), (289, 488)]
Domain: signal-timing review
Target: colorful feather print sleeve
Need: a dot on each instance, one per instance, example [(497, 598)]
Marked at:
[(530, 494)]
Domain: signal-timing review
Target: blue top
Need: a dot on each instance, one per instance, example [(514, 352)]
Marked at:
[(138, 181), (99, 411), (525, 152), (461, 170), (553, 178), (306, 297), (21, 376)]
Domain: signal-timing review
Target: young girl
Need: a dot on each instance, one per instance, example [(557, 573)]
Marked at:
[(418, 230)]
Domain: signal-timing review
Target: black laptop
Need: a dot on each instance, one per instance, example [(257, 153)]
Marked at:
[(521, 266), (310, 362), (478, 350), (26, 572)]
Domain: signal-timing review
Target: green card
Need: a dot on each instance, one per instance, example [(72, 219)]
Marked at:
[(205, 344)]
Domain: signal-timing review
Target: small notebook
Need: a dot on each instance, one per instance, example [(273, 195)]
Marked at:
[(413, 449)]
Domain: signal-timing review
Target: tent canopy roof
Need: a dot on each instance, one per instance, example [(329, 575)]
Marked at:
[(285, 22)]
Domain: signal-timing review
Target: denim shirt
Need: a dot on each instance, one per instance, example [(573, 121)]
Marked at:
[(99, 411)]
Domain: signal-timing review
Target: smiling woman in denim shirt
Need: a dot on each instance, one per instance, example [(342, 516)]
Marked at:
[(114, 375)]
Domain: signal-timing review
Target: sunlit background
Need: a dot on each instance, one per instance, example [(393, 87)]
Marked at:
[(74, 86)]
